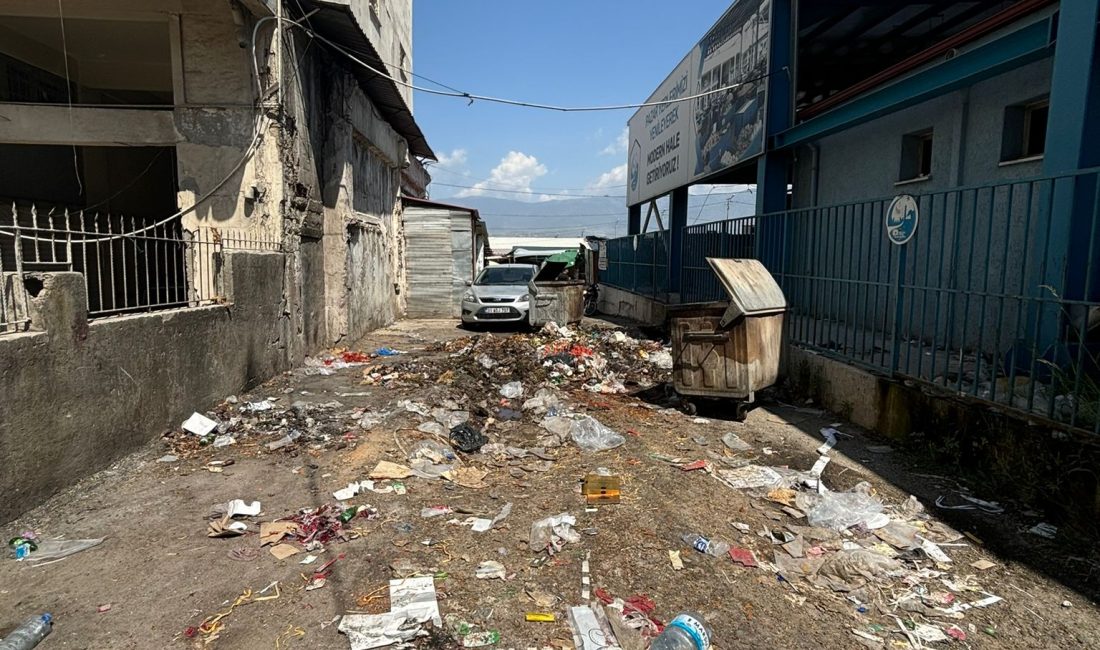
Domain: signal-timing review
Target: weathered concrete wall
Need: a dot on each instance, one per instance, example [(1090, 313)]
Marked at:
[(617, 302), (1011, 456), (78, 395), (363, 242)]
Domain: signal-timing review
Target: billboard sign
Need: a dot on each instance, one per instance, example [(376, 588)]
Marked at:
[(675, 144)]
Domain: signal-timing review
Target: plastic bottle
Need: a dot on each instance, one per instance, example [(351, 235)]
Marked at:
[(703, 545), (29, 634), (688, 631)]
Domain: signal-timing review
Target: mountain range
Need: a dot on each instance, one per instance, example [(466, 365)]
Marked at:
[(589, 216)]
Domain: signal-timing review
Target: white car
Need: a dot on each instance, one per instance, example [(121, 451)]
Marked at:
[(499, 294)]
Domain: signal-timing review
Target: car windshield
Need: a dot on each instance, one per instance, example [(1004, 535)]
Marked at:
[(497, 275)]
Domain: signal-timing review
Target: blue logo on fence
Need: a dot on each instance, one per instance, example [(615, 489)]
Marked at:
[(901, 219)]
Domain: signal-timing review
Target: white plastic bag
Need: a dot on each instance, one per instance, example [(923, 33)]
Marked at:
[(591, 435)]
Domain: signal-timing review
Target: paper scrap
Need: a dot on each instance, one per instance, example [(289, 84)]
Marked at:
[(490, 569), (468, 477), (743, 556), (238, 508), (962, 607), (412, 601), (344, 494), (676, 560), (386, 469), (983, 565), (588, 634), (829, 434), (199, 425), (283, 551), (748, 477), (272, 532), (309, 559)]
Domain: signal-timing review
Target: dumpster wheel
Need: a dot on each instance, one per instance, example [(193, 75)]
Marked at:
[(742, 411), (688, 407)]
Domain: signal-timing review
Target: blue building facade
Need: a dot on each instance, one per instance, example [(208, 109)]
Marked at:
[(986, 114)]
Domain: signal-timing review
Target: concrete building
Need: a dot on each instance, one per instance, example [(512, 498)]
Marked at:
[(194, 155)]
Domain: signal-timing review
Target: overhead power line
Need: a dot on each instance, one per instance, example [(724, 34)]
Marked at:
[(472, 97)]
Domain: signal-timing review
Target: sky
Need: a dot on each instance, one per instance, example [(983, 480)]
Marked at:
[(566, 52)]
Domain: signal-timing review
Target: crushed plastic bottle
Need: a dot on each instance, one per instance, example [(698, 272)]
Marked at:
[(688, 631), (29, 634), (716, 548)]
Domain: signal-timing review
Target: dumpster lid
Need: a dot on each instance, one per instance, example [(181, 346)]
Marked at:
[(752, 289)]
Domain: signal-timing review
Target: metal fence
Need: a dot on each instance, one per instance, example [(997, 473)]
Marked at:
[(638, 263), (129, 265), (996, 297)]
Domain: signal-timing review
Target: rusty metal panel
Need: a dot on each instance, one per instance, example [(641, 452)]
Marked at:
[(710, 361)]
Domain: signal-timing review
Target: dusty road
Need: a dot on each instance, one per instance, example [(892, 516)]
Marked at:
[(158, 577)]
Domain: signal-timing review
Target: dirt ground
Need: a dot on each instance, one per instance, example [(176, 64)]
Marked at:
[(160, 573)]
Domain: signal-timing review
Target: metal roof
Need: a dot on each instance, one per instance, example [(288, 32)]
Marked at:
[(846, 42), (336, 22)]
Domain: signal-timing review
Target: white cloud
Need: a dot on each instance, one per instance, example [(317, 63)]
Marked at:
[(618, 147), (515, 173), (614, 179), (454, 161)]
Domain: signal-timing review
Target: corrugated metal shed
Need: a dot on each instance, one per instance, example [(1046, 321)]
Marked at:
[(442, 254)]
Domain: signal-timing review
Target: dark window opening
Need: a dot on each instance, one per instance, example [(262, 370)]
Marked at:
[(916, 156), (106, 62), (1025, 130), (68, 223)]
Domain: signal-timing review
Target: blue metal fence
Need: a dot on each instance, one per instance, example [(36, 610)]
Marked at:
[(996, 296), (639, 263)]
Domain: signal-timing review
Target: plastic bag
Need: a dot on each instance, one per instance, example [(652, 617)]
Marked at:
[(511, 390), (468, 439), (557, 425), (552, 533), (432, 451), (543, 400), (841, 510), (591, 435), (850, 566), (432, 427)]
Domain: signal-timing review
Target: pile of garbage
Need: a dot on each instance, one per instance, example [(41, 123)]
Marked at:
[(599, 360), (884, 559)]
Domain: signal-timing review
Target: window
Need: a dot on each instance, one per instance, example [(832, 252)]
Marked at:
[(1025, 131), (916, 156)]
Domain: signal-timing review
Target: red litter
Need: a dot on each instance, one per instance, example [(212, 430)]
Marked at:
[(690, 467), (743, 556), (957, 633)]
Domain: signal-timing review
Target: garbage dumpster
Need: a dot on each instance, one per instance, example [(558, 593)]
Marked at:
[(559, 301), (557, 293), (730, 350)]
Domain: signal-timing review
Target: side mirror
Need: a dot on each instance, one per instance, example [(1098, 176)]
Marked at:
[(469, 283)]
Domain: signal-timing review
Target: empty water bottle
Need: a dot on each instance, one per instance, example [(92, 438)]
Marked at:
[(28, 635), (688, 631), (703, 545)]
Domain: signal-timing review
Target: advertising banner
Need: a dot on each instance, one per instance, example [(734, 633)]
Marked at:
[(672, 145)]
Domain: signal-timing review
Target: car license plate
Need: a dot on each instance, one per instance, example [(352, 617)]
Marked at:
[(496, 310)]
